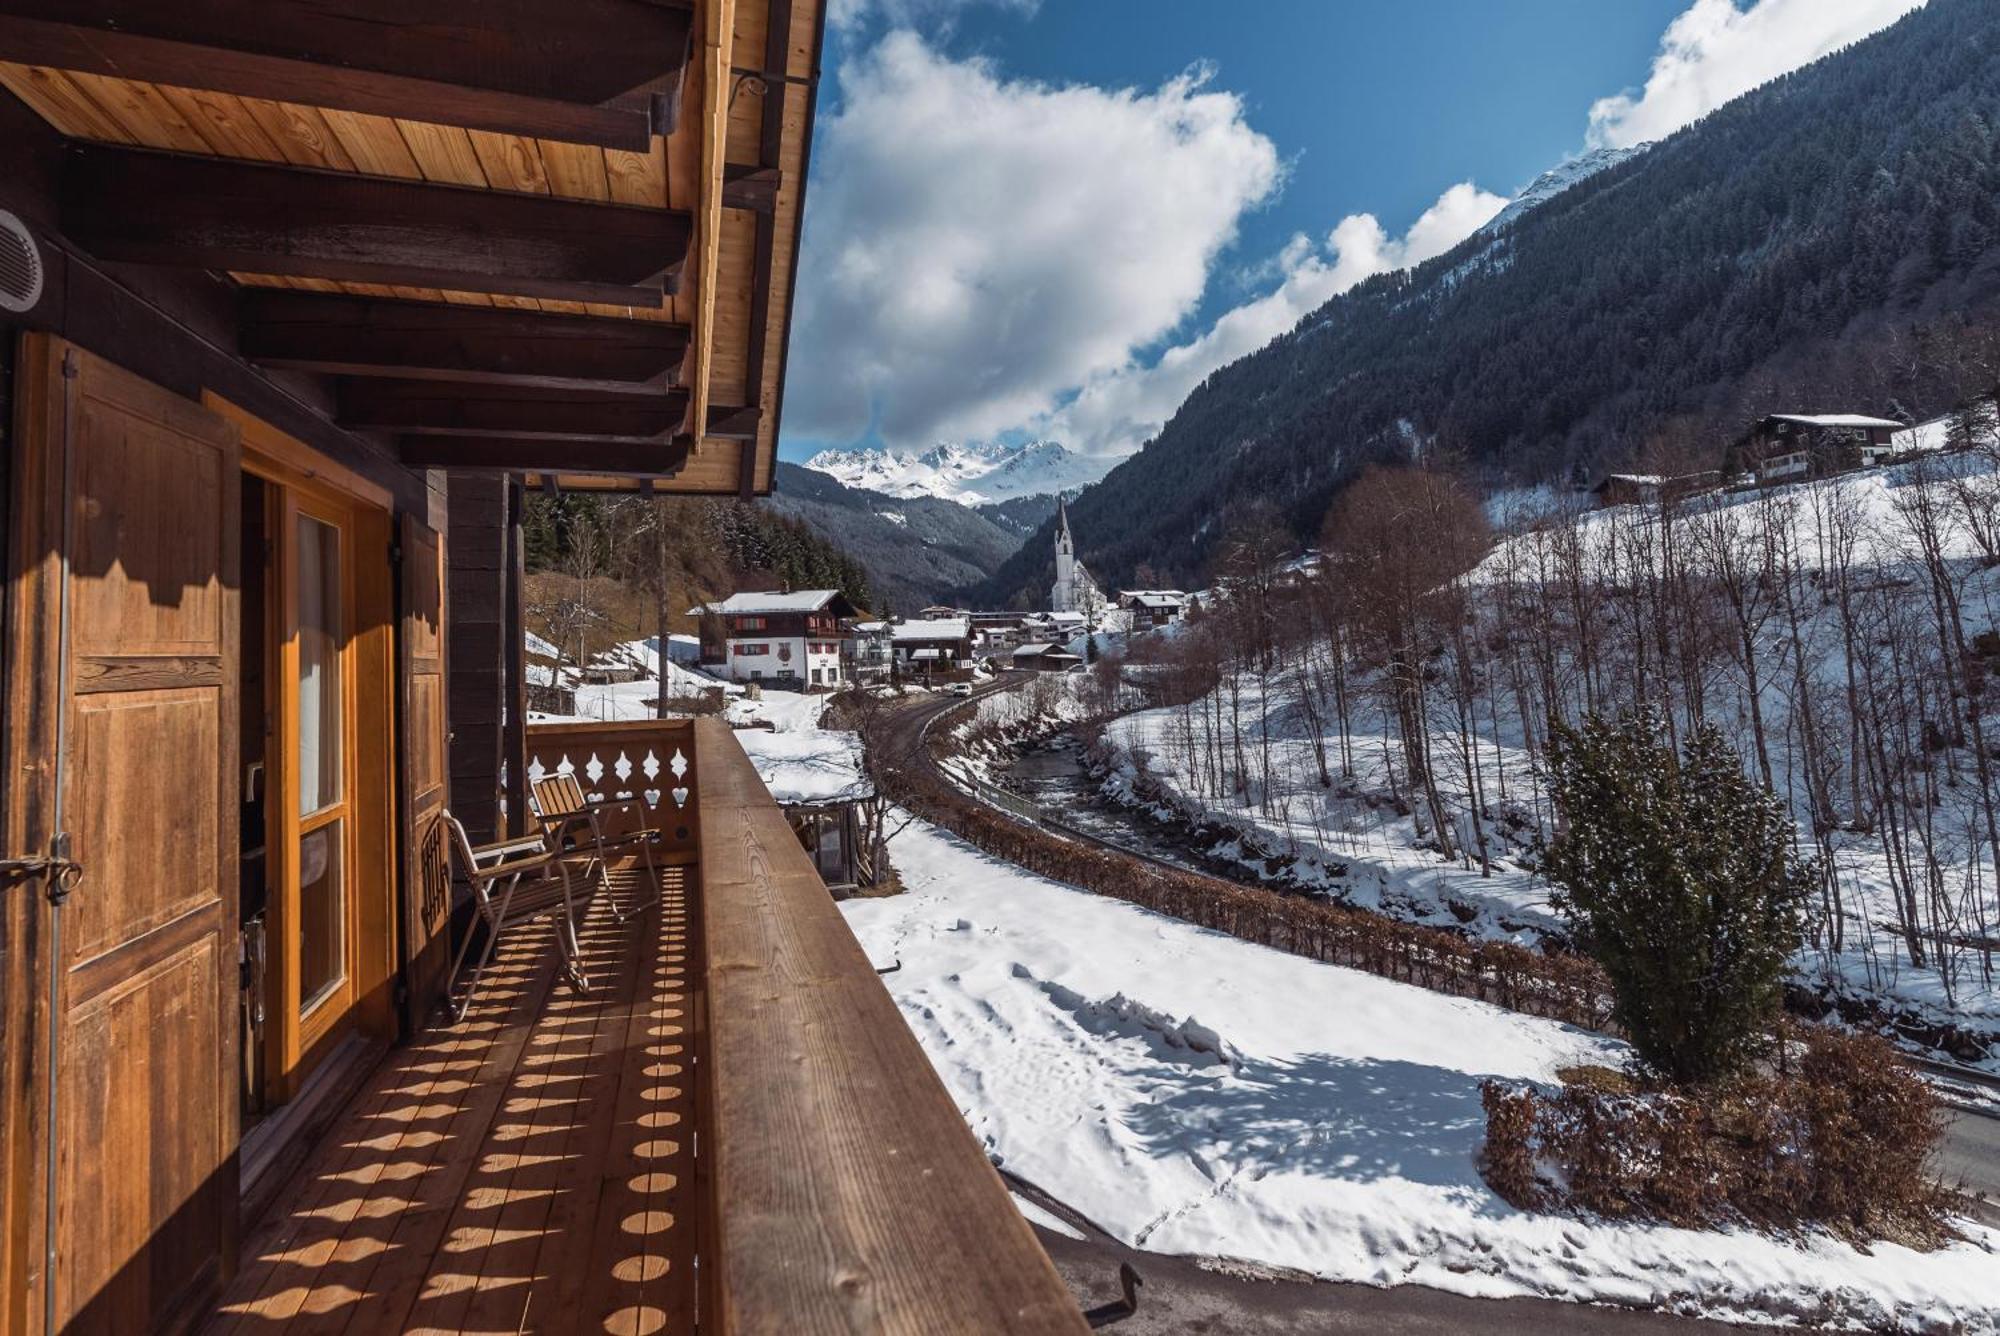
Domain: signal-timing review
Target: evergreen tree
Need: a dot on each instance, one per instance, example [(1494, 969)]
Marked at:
[(1678, 874)]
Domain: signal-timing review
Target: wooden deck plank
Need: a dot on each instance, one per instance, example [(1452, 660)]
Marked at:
[(502, 1197), (381, 1153), (642, 1276), (467, 1283), (566, 1269)]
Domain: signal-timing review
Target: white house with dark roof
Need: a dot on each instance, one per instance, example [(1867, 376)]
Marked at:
[(785, 638)]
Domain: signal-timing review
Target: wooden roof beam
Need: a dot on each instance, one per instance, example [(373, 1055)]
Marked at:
[(729, 423), (366, 336), (148, 207), (433, 408), (558, 455), (586, 71), (748, 186)]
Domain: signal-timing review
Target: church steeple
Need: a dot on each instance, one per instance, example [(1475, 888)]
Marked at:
[(1064, 543)]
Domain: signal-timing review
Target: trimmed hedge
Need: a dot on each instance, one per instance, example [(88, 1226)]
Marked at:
[(1563, 988), (1846, 1139)]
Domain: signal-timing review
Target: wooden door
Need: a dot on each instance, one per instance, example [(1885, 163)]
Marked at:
[(426, 864), (124, 577)]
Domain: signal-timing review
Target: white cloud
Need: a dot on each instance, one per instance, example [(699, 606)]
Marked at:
[(1715, 51), (982, 246), (1118, 409)]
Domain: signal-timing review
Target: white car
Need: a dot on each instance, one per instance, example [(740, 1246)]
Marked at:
[(960, 688)]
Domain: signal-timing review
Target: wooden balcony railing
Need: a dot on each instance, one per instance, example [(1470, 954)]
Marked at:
[(650, 761), (845, 1192)]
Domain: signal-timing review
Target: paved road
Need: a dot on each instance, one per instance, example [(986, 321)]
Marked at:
[(1182, 1297), (1970, 1162)]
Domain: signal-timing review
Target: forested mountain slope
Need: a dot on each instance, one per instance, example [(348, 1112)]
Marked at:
[(917, 550), (1816, 245)]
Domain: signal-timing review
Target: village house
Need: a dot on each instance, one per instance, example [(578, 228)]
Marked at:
[(298, 303), (1788, 447), (1150, 609), (785, 639), (867, 652), (1045, 658), (1627, 489), (933, 647)]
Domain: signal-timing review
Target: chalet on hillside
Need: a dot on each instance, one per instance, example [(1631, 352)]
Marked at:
[(1045, 658), (298, 302), (933, 648), (1151, 609), (1788, 447), (781, 638), (1626, 489)]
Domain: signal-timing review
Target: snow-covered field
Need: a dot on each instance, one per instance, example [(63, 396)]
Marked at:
[(1194, 1094)]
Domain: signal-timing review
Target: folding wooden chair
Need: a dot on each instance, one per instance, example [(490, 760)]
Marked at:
[(513, 882), (566, 815)]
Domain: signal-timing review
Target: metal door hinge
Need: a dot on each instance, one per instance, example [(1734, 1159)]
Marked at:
[(56, 867)]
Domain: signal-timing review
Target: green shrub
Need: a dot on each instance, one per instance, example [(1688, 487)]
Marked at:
[(1678, 875)]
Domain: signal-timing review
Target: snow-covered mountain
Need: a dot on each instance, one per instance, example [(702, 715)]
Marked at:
[(972, 475), (1558, 179)]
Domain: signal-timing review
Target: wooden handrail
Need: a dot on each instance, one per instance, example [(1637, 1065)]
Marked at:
[(845, 1191)]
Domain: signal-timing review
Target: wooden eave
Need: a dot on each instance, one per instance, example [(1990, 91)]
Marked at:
[(412, 207)]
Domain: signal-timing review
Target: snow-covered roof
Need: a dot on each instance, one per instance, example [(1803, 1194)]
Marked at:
[(936, 628), (927, 654), (1154, 598), (1636, 479), (871, 628), (1836, 420), (798, 600), (1029, 651), (537, 645)]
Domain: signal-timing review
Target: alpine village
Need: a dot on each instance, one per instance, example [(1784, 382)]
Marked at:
[(999, 666)]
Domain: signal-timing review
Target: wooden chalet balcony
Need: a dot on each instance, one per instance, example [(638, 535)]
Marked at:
[(734, 1126)]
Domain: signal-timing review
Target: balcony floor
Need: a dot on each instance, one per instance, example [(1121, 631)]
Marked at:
[(530, 1169)]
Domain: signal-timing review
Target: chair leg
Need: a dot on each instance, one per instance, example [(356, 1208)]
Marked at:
[(566, 934), (464, 1004), (652, 876)]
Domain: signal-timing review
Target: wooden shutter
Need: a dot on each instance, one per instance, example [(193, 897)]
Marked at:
[(426, 863), (132, 662)]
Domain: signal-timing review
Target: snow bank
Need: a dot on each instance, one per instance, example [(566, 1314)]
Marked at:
[(798, 761), (1312, 1118)]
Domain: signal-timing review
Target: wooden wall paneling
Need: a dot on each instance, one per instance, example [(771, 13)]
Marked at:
[(146, 1125), (29, 669), (426, 867)]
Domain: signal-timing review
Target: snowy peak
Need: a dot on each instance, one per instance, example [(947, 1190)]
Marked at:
[(1558, 179), (972, 475)]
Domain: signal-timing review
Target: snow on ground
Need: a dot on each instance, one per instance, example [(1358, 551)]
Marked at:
[(605, 702), (1194, 1094), (799, 761)]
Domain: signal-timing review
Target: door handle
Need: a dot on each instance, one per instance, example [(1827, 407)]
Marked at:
[(60, 870)]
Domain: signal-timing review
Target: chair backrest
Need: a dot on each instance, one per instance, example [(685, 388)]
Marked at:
[(559, 796), (461, 845)]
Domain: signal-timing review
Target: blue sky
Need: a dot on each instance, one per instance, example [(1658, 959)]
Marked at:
[(1054, 218)]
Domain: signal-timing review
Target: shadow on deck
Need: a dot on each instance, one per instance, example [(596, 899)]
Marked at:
[(530, 1168)]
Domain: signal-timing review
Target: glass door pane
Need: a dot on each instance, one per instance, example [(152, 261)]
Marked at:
[(322, 902), (318, 567), (322, 915)]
